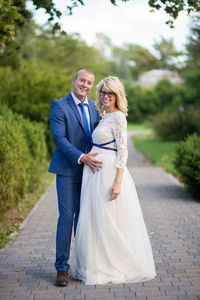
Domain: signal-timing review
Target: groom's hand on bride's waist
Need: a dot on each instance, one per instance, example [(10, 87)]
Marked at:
[(91, 162)]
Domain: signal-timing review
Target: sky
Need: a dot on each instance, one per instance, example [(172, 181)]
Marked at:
[(130, 22)]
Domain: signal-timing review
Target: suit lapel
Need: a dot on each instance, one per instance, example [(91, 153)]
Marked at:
[(75, 109), (77, 114)]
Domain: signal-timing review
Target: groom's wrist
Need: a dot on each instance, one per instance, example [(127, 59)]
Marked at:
[(80, 158)]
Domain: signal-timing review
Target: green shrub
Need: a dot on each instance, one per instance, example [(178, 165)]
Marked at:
[(187, 163), (141, 103), (34, 134), (177, 125), (150, 104), (166, 92), (14, 162), (22, 156), (146, 102), (134, 95), (192, 79)]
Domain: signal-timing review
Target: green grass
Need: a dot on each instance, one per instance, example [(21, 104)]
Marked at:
[(138, 126), (160, 153)]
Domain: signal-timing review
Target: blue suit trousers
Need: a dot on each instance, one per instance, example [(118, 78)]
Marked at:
[(68, 205)]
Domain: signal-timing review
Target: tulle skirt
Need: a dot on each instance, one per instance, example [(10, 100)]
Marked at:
[(111, 243)]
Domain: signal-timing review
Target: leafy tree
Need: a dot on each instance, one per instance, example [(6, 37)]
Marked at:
[(13, 12), (174, 7), (192, 79), (167, 54), (120, 64), (103, 44), (13, 15), (22, 48), (191, 73), (65, 51), (193, 45), (140, 59), (131, 60), (171, 7)]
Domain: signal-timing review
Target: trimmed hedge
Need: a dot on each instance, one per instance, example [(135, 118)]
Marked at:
[(177, 125), (23, 155), (34, 134), (187, 163)]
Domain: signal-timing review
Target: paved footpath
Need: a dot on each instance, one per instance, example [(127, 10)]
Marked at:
[(172, 217)]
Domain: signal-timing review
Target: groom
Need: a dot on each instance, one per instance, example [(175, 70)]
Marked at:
[(72, 120)]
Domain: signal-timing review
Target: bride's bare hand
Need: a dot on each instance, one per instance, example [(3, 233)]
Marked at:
[(115, 190)]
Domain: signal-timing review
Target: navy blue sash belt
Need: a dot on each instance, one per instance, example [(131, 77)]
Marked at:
[(102, 145)]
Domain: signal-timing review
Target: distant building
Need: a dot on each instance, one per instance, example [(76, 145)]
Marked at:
[(152, 77)]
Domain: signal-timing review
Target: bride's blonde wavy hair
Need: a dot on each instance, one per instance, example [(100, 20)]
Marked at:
[(112, 84)]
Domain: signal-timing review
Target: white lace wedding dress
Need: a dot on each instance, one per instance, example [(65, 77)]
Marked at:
[(111, 244)]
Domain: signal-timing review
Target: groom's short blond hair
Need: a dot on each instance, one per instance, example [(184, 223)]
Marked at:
[(83, 70)]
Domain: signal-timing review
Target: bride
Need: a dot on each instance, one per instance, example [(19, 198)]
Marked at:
[(111, 243)]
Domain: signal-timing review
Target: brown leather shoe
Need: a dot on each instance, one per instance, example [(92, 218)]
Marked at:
[(62, 278)]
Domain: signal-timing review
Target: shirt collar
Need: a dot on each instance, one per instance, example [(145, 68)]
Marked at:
[(77, 101)]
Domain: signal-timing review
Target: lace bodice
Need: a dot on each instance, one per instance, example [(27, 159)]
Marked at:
[(113, 126)]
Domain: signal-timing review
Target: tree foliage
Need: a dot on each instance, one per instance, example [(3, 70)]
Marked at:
[(13, 13), (174, 7), (129, 61), (191, 73), (171, 7), (193, 44), (167, 54)]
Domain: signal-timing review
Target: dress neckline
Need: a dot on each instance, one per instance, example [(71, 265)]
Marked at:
[(114, 112)]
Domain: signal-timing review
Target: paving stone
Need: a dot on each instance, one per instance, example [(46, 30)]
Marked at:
[(72, 292), (186, 297), (23, 297), (87, 298), (150, 293), (182, 283), (162, 298), (193, 292), (139, 298), (95, 292), (120, 289), (49, 297), (175, 293), (156, 283), (124, 294), (124, 297), (106, 297)]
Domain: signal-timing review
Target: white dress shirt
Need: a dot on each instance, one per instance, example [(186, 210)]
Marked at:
[(77, 101)]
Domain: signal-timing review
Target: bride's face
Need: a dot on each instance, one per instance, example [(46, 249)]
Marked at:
[(108, 99)]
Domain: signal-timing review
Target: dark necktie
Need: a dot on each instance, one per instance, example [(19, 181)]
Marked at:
[(86, 126)]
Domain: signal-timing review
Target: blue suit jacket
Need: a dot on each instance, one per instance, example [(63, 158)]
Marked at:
[(69, 136)]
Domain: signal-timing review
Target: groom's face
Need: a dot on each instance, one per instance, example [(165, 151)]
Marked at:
[(82, 84)]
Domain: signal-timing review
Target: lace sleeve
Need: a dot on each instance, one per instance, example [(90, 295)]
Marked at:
[(119, 126)]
